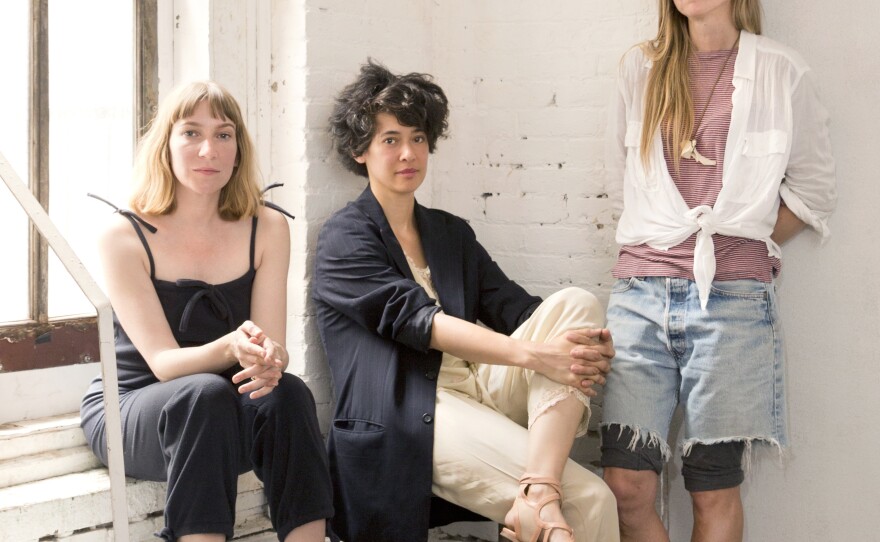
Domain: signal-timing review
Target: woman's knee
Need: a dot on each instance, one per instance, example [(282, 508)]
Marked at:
[(291, 398), (205, 393), (599, 495), (202, 412), (291, 390), (581, 300), (706, 502), (588, 493), (577, 296), (633, 489)]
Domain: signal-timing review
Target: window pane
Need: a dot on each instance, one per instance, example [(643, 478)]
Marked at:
[(91, 103), (14, 26)]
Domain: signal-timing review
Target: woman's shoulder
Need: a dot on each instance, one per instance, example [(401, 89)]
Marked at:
[(635, 61), (271, 219), (117, 236), (448, 219), (637, 54), (272, 229), (768, 48), (349, 216), (347, 227), (126, 223)]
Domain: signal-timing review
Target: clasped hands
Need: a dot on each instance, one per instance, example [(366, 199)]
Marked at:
[(262, 360), (589, 353)]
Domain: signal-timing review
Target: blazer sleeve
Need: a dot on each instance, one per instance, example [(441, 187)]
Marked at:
[(355, 275), (504, 304)]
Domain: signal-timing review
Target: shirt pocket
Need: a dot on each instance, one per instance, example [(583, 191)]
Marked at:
[(635, 170), (760, 144), (760, 166)]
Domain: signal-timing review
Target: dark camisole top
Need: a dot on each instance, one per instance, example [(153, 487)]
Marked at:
[(197, 312)]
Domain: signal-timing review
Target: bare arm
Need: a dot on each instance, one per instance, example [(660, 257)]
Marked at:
[(269, 305), (578, 358), (134, 299), (787, 225)]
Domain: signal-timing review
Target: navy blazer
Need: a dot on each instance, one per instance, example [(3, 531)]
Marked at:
[(375, 323)]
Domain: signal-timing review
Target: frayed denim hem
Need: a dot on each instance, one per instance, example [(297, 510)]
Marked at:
[(782, 452), (647, 438)]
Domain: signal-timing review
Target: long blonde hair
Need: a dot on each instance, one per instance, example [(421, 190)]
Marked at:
[(668, 101), (154, 182)]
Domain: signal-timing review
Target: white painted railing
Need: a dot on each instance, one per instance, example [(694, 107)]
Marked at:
[(99, 300)]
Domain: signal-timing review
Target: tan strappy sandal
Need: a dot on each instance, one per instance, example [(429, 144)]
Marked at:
[(527, 523)]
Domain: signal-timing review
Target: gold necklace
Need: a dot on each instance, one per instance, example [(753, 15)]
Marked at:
[(689, 146)]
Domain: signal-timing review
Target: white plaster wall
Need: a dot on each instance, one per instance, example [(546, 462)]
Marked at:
[(830, 303)]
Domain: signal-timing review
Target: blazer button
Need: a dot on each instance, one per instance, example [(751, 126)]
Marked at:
[(431, 374), (427, 418)]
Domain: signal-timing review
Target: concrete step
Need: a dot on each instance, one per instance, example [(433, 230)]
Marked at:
[(35, 467), (52, 488), (38, 449), (249, 529), (76, 507), (18, 439)]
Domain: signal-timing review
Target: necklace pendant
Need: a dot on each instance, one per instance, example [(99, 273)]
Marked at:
[(702, 159), (689, 151), (688, 148)]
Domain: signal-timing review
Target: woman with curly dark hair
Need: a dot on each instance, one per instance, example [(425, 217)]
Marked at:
[(427, 401)]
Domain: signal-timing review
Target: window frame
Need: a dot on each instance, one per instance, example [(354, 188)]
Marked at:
[(43, 342)]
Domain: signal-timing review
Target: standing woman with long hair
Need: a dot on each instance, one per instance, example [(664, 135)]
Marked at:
[(721, 149)]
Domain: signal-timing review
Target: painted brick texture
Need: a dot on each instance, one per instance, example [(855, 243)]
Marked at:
[(528, 85)]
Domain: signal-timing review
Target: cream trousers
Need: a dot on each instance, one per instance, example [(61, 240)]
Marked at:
[(481, 420)]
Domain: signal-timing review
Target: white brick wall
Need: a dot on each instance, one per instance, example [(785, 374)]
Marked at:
[(529, 82), (523, 163)]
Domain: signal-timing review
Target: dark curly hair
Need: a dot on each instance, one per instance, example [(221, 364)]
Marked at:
[(414, 99)]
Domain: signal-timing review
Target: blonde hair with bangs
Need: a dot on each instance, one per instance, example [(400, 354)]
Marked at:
[(154, 182), (668, 101)]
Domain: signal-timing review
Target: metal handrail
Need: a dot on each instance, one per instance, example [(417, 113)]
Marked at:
[(101, 302)]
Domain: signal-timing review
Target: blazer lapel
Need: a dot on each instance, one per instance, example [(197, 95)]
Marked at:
[(370, 206), (445, 257)]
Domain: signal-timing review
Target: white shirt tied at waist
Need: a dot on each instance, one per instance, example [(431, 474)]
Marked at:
[(777, 148), (705, 219)]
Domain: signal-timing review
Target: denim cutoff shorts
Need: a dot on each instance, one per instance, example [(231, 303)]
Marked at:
[(723, 364)]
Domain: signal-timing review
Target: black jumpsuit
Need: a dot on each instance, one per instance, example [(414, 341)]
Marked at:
[(198, 433)]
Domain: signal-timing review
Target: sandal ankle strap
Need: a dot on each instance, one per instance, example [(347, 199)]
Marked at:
[(531, 479)]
